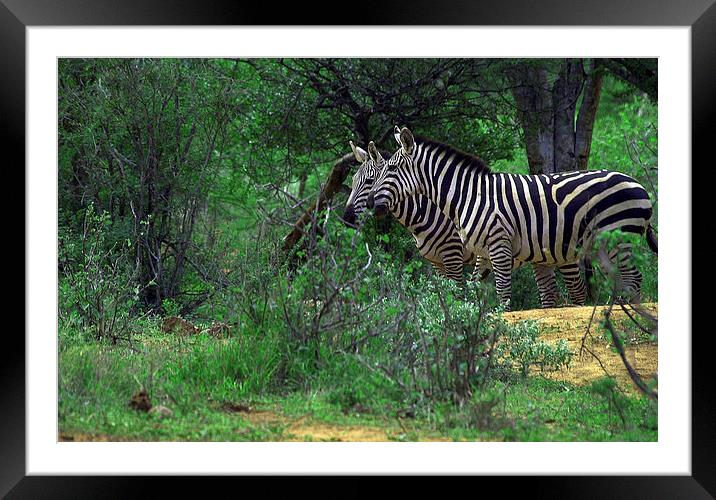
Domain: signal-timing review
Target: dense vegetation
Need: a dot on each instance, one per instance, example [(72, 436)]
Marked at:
[(178, 183)]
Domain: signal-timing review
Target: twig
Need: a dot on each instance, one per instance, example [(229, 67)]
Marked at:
[(589, 326), (635, 377)]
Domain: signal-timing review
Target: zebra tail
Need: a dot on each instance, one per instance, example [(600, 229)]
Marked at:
[(651, 239)]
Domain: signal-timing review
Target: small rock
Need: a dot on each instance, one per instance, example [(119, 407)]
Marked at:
[(162, 411), (235, 407)]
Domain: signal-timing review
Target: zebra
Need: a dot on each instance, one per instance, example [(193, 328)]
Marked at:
[(435, 235), (630, 277), (541, 219), (546, 280)]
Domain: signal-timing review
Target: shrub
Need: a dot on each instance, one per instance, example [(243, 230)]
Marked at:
[(524, 349), (97, 289)]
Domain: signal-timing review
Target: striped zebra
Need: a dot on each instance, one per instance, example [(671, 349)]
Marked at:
[(436, 236), (630, 277), (546, 281), (541, 219)]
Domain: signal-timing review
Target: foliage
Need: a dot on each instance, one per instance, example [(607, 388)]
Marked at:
[(524, 349), (97, 380), (97, 289), (626, 136), (178, 180), (606, 279), (144, 140)]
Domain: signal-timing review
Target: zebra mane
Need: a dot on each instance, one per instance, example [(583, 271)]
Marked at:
[(470, 159)]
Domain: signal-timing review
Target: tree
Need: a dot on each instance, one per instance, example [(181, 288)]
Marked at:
[(557, 126), (640, 73), (363, 99), (143, 140)]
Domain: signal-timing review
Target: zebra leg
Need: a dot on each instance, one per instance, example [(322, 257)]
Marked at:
[(546, 284), (501, 258), (453, 270), (451, 253), (482, 269), (631, 277), (439, 268), (574, 283), (449, 270)]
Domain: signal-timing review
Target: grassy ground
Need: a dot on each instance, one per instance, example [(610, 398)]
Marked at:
[(200, 391), (539, 410)]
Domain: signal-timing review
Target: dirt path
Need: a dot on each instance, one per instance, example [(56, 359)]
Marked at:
[(300, 429), (305, 429), (570, 324)]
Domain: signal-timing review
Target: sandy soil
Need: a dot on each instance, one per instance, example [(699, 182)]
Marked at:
[(302, 429), (571, 323)]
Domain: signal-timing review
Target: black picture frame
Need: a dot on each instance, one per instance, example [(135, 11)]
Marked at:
[(700, 15)]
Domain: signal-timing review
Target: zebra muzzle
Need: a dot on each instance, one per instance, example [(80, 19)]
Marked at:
[(349, 216), (370, 201), (380, 209)]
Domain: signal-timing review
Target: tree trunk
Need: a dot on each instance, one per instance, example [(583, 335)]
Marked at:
[(557, 137), (587, 113), (534, 108), (302, 185), (333, 185), (565, 94)]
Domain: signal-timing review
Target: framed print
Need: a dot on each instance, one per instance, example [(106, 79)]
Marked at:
[(212, 273)]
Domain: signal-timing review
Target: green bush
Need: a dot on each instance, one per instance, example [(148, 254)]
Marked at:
[(97, 290), (523, 349), (524, 289)]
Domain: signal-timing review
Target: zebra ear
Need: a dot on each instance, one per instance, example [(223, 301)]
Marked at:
[(358, 152), (396, 134), (407, 140), (374, 153)]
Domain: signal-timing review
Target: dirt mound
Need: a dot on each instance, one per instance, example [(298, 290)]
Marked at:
[(176, 325), (140, 401), (571, 323), (230, 407), (305, 429)]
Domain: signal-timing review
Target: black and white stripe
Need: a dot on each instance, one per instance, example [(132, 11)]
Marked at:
[(435, 235), (540, 219), (546, 282)]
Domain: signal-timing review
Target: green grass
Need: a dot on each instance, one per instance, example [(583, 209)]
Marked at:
[(195, 376), (198, 424)]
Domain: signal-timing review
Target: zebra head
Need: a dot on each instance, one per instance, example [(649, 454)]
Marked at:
[(371, 163), (396, 180)]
